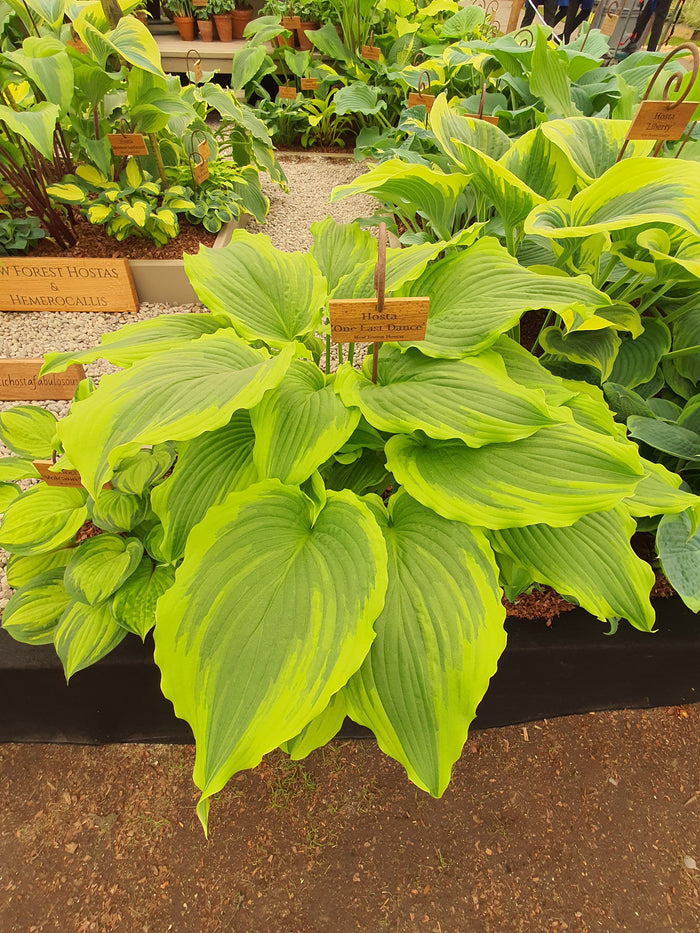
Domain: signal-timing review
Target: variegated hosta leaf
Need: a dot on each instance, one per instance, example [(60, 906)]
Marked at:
[(8, 493), (480, 293), (265, 293), (592, 560), (170, 396), (537, 162), (136, 473), (22, 569), (590, 410), (320, 730), (452, 131), (207, 469), (85, 634), (14, 468), (100, 565), (526, 369), (116, 511), (367, 473), (42, 519), (631, 193), (638, 358), (135, 342), (339, 248), (134, 603), (28, 431), (658, 493), (597, 348), (555, 476), (592, 145), (472, 399), (549, 78), (300, 424), (439, 638), (31, 614), (686, 336), (270, 614), (679, 550), (131, 40), (403, 265)]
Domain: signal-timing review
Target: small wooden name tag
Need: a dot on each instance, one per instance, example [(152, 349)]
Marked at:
[(78, 45), (61, 477), (4, 198), (658, 119), (19, 381), (371, 52), (358, 319), (287, 92), (67, 285), (417, 100), (200, 172), (309, 84), (291, 22), (197, 69), (204, 150), (200, 3), (487, 119), (127, 143)]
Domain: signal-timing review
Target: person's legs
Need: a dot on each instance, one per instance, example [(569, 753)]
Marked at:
[(660, 14)]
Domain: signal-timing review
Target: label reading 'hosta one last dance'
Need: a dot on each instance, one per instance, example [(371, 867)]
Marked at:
[(358, 320)]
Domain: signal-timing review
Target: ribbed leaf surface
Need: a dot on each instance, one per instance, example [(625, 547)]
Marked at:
[(134, 604), (339, 248), (28, 431), (638, 358), (42, 519), (592, 145), (658, 492), (84, 635), (100, 565), (679, 551), (452, 131), (31, 614)]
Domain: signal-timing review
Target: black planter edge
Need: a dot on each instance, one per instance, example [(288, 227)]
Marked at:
[(545, 672)]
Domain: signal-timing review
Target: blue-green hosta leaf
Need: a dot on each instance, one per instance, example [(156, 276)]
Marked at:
[(549, 79), (116, 511), (592, 145), (35, 124), (339, 248), (42, 519), (135, 474), (367, 473), (686, 336), (100, 565), (481, 292), (85, 634), (8, 493), (320, 730), (207, 469), (135, 342), (540, 165), (658, 493), (28, 431), (274, 600), (679, 551), (638, 357), (31, 614), (472, 399), (246, 65), (690, 416), (625, 402), (300, 424), (14, 468), (554, 477), (591, 560), (22, 569), (265, 293), (170, 396), (358, 98), (134, 603), (439, 638), (451, 129), (596, 348), (671, 438)]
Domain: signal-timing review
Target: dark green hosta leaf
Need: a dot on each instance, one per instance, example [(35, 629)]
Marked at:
[(134, 603), (265, 293), (300, 424), (23, 569), (8, 493), (592, 145), (676, 382), (638, 358), (207, 469), (42, 519), (665, 409), (625, 402), (439, 638), (480, 293), (472, 399), (271, 613), (14, 468), (679, 551), (366, 474), (320, 730), (135, 474), (658, 493), (596, 348), (339, 248), (135, 342), (116, 511), (85, 634), (170, 396), (591, 560), (690, 416), (32, 613), (28, 431), (100, 565), (555, 476), (670, 438), (686, 335)]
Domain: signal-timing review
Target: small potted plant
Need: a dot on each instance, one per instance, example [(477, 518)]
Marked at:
[(241, 15), (221, 14), (204, 22), (308, 14), (183, 17)]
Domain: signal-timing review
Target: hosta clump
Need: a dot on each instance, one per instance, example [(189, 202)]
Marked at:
[(326, 546)]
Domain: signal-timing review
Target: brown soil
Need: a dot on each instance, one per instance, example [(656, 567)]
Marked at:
[(587, 824)]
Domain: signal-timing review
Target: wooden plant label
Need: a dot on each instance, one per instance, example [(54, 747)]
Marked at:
[(78, 45), (200, 172), (487, 119), (67, 285), (19, 381), (204, 150), (658, 119), (287, 92), (357, 319), (426, 100), (4, 198), (61, 477), (291, 22), (309, 84), (197, 69), (200, 3), (371, 52), (127, 143)]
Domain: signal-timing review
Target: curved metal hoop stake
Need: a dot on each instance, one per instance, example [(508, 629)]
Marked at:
[(422, 86), (418, 58), (197, 62), (529, 37), (379, 283)]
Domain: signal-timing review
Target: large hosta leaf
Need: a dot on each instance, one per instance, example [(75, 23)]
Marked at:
[(549, 78), (592, 145), (28, 431), (175, 396), (100, 565), (679, 550), (32, 613), (637, 358), (439, 637), (339, 248), (540, 165), (85, 634), (300, 424), (480, 293), (451, 130), (555, 476), (597, 348), (270, 614), (42, 519), (265, 293), (658, 493), (671, 438), (472, 399), (207, 469), (592, 560)]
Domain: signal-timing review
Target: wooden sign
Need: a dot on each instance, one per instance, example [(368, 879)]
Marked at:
[(204, 150), (487, 119), (60, 477), (200, 172), (79, 46), (358, 319), (127, 143), (4, 198), (200, 3), (309, 84), (371, 52), (197, 68), (287, 92), (44, 284), (425, 100), (19, 381), (659, 119), (291, 22)]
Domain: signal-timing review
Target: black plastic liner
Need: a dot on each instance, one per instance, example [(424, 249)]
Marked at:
[(570, 667)]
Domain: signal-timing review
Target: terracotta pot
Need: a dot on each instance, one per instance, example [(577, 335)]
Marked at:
[(302, 41), (240, 18), (224, 26), (280, 41), (206, 30), (185, 26)]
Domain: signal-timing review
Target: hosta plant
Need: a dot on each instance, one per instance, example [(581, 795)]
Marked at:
[(308, 544)]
